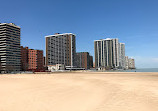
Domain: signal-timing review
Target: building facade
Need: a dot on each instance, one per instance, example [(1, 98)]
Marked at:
[(35, 60), (24, 58), (84, 60), (0, 65), (91, 62), (31, 60), (122, 62), (126, 60), (106, 53), (10, 47), (131, 63), (61, 49), (57, 67)]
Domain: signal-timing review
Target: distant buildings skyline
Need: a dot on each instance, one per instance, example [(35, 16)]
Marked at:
[(110, 54), (60, 49), (133, 22)]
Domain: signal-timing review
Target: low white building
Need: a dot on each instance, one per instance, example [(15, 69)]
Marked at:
[(56, 67)]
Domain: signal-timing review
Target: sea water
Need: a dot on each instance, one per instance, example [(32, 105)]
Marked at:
[(132, 70), (141, 70)]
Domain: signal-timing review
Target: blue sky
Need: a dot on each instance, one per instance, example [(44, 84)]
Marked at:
[(134, 22)]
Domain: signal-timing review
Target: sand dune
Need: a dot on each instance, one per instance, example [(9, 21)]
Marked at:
[(79, 92)]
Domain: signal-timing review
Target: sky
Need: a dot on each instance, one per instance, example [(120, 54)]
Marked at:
[(133, 22)]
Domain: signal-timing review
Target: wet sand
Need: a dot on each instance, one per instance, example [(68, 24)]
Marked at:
[(81, 91)]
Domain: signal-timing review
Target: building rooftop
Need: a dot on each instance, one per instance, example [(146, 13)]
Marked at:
[(11, 24), (82, 52), (57, 34), (106, 39)]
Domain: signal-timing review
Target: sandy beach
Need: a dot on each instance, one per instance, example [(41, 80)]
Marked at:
[(82, 91)]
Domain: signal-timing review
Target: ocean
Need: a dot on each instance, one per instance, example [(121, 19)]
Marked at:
[(133, 70), (142, 70)]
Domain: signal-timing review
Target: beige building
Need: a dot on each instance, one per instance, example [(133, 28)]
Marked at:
[(61, 49), (126, 62), (131, 63), (122, 62)]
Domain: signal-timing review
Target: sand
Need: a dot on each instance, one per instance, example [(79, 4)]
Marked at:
[(89, 91)]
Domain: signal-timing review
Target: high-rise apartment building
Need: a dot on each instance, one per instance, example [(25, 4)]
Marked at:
[(10, 47), (84, 60), (122, 62), (126, 62), (131, 63), (106, 53), (61, 49), (0, 65)]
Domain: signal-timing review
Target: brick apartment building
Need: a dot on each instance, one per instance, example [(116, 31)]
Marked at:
[(91, 61), (35, 60), (84, 60), (24, 58), (32, 59)]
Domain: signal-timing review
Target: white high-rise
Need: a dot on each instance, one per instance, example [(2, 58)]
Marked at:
[(106, 53), (126, 60), (122, 62)]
